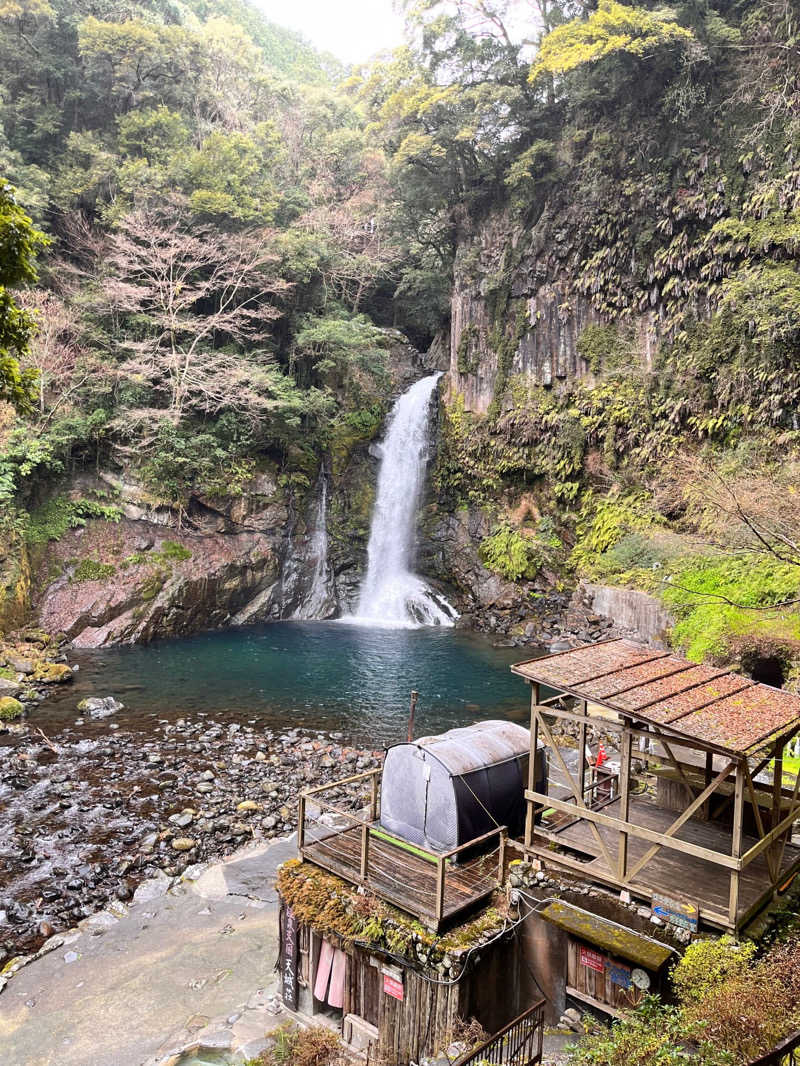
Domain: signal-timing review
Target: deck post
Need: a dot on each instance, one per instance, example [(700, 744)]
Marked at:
[(364, 850), (440, 872), (582, 753), (501, 855), (777, 784), (777, 797), (530, 809), (624, 800), (301, 822), (373, 797), (709, 772), (736, 843)]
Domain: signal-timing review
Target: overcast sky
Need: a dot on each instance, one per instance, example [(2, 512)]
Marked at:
[(352, 29)]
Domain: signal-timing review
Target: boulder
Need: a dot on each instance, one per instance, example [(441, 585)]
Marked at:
[(9, 708), (16, 662), (52, 673), (183, 843), (99, 706), (9, 688)]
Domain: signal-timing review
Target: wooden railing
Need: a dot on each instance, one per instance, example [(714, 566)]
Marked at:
[(787, 1053), (518, 1044), (366, 822)]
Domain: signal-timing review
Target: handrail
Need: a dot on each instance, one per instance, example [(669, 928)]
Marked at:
[(782, 1054), (470, 843), (492, 1050), (343, 781), (439, 859)]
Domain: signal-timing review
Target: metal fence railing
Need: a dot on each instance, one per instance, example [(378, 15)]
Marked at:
[(787, 1053), (518, 1044)]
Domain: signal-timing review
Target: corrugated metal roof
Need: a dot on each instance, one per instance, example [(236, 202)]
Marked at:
[(726, 711), (474, 747)]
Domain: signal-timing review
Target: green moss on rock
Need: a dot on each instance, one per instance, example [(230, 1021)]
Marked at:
[(10, 708)]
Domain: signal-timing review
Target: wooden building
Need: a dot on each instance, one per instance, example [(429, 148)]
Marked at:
[(394, 1011), (716, 736)]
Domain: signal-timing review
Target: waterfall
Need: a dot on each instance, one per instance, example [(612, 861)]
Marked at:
[(391, 594), (318, 601)]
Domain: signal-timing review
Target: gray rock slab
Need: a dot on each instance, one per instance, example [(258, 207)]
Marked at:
[(170, 960)]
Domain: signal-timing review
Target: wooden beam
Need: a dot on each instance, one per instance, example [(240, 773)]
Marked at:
[(736, 843), (677, 741), (773, 834), (777, 783), (729, 799), (709, 770), (364, 866), (624, 803), (342, 781), (590, 873), (786, 836), (687, 814), (301, 821), (573, 787), (757, 816), (719, 858), (582, 750), (675, 764), (440, 874), (530, 812)]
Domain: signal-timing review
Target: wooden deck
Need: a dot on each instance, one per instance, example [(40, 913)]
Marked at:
[(404, 879), (683, 876)]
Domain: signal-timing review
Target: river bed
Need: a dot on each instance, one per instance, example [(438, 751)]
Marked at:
[(217, 735)]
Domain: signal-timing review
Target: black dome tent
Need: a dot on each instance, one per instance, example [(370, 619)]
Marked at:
[(443, 791)]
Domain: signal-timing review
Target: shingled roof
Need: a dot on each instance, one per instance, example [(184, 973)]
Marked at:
[(726, 711)]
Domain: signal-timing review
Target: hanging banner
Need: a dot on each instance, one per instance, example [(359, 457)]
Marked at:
[(289, 959), (675, 912), (593, 960)]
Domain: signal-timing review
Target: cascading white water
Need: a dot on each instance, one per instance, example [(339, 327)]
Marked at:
[(391, 594), (317, 602)]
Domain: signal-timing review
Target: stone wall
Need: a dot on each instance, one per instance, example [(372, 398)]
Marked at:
[(634, 612)]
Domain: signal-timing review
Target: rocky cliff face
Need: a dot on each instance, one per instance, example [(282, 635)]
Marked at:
[(511, 313), (233, 560)]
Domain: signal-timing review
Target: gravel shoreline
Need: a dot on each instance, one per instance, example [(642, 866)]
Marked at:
[(84, 820)]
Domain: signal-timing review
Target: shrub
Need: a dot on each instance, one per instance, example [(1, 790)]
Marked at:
[(93, 570), (709, 963), (652, 1035), (174, 552), (316, 1046), (511, 554), (711, 597), (54, 518)]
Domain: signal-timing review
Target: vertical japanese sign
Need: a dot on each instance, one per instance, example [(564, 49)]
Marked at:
[(289, 959)]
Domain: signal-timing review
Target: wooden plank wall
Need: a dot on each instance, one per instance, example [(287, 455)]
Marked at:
[(597, 985), (425, 1020)]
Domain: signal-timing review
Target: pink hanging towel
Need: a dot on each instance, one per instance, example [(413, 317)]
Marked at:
[(336, 993), (323, 971)]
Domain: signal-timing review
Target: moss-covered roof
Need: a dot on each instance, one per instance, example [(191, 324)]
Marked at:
[(623, 943), (331, 906)]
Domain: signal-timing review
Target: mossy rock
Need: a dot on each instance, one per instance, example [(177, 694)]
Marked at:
[(10, 708), (52, 673), (93, 570)]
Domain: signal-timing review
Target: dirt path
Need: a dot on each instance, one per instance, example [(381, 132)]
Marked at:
[(142, 985)]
